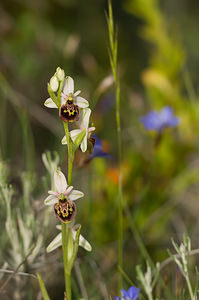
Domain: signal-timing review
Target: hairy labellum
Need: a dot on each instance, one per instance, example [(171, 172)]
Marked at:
[(69, 112), (65, 211)]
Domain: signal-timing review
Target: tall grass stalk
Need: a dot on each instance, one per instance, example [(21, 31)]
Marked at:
[(113, 46)]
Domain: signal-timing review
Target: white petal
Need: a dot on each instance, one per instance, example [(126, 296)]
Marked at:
[(74, 195), (81, 102), (68, 190), (57, 242), (77, 93), (90, 129), (50, 103), (84, 118), (83, 145), (50, 200), (64, 141), (74, 133), (68, 85), (60, 181), (82, 241), (52, 193)]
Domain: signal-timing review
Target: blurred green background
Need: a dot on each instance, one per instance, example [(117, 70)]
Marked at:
[(158, 65)]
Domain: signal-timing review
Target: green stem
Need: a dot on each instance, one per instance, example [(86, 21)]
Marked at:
[(189, 287), (42, 287), (113, 62), (120, 206), (70, 153), (65, 258), (68, 284), (65, 228), (150, 297)]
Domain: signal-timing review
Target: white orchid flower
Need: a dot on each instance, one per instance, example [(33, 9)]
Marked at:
[(62, 198), (57, 241), (83, 124), (68, 95)]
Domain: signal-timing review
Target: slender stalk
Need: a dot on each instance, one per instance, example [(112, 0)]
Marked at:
[(65, 258), (120, 194), (113, 62), (189, 287), (68, 282), (70, 153), (150, 297), (65, 228), (42, 287)]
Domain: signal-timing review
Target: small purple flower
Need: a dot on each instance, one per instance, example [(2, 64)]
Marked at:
[(158, 121), (98, 149), (131, 294)]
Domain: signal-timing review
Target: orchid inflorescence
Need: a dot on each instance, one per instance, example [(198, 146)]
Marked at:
[(72, 109)]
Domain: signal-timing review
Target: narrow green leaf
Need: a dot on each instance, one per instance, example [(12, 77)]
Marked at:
[(197, 282), (156, 277), (70, 245), (59, 92), (76, 246), (42, 287), (111, 25), (79, 139)]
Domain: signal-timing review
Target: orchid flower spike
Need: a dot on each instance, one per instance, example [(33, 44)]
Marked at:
[(83, 125), (71, 102), (62, 198)]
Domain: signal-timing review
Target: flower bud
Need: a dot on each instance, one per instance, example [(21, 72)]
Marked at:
[(54, 84), (60, 74)]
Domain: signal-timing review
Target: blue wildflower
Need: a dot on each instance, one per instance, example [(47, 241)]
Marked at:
[(158, 121), (98, 149), (131, 294)]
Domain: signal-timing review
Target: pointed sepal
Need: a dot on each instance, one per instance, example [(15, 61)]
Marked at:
[(56, 242), (53, 96), (79, 139)]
